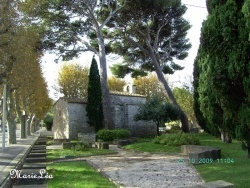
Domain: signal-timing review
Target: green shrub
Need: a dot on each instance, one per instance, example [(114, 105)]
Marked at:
[(48, 121), (177, 139), (110, 135), (79, 147), (175, 129)]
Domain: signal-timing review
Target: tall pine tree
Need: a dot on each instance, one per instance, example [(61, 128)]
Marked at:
[(94, 103), (150, 35)]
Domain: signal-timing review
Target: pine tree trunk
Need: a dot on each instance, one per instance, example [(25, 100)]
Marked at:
[(106, 101), (225, 137), (183, 117)]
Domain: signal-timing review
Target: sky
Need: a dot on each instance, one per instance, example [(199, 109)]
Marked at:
[(195, 14)]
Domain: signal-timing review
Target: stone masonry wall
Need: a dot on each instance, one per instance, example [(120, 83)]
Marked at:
[(78, 120), (124, 109)]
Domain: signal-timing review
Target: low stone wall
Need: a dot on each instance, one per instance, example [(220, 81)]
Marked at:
[(87, 138), (215, 184), (69, 145), (200, 154), (60, 141), (144, 130), (102, 145)]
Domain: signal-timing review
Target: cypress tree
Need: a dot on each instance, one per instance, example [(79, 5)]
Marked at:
[(223, 64), (94, 103)]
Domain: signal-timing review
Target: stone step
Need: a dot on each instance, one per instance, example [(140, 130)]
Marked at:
[(36, 160), (34, 166), (38, 151), (39, 147), (40, 142), (35, 155), (42, 137)]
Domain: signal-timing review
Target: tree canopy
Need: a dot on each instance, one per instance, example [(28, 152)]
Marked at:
[(150, 36), (158, 111), (223, 65), (148, 85), (73, 80), (116, 84), (73, 27)]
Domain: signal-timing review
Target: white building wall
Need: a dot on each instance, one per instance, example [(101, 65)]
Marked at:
[(60, 126)]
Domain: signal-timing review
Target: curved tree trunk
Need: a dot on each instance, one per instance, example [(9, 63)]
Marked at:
[(106, 101), (183, 117)]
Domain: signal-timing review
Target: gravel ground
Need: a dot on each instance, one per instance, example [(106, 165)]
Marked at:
[(134, 169)]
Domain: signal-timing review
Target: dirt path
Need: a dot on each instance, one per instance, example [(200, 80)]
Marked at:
[(134, 169)]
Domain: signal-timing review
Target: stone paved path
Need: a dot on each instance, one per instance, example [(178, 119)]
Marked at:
[(134, 170)]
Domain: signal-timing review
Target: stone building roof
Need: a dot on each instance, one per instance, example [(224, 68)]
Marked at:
[(126, 94), (77, 100), (73, 100)]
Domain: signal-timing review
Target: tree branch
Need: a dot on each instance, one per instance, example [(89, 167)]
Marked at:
[(112, 13), (137, 44), (158, 33), (90, 48)]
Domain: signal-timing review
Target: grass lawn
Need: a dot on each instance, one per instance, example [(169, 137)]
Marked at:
[(145, 145), (77, 174), (237, 172), (61, 153)]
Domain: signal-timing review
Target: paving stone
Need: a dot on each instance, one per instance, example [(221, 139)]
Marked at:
[(145, 170)]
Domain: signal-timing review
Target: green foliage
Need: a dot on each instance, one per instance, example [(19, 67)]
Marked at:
[(196, 106), (222, 70), (150, 84), (134, 34), (48, 120), (184, 97), (94, 106), (110, 135), (175, 129), (177, 139), (80, 147), (158, 111), (73, 81)]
